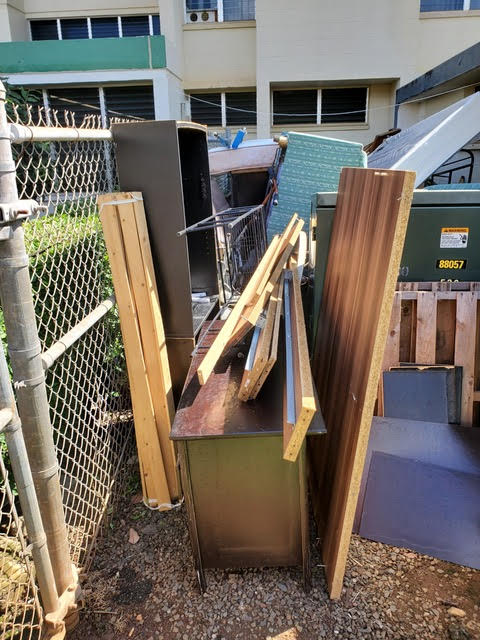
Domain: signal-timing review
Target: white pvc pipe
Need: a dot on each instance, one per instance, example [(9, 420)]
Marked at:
[(21, 133)]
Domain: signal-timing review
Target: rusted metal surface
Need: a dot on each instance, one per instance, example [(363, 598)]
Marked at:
[(246, 506), (214, 409)]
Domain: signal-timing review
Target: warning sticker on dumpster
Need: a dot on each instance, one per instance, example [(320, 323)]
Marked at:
[(454, 238)]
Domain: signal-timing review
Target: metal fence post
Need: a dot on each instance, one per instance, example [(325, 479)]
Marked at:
[(22, 474), (29, 379)]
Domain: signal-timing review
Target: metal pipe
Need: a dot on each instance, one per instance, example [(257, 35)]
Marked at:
[(26, 490), (58, 348), (29, 379), (21, 133)]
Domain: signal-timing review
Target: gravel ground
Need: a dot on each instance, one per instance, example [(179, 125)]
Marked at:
[(148, 590)]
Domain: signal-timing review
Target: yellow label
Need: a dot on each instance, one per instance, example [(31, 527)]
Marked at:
[(455, 229)]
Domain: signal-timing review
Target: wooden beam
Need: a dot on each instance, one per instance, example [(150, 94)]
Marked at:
[(249, 293), (305, 404), (154, 481), (465, 334), (250, 377), (143, 285), (426, 339), (272, 357), (366, 245), (252, 312)]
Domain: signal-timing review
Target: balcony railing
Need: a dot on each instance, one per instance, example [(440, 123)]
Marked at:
[(144, 52)]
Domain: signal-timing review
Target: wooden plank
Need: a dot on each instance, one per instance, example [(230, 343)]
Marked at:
[(305, 404), (248, 295), (154, 481), (215, 351), (150, 324), (253, 311), (250, 377), (391, 355), (426, 339), (364, 257), (272, 358), (465, 334)]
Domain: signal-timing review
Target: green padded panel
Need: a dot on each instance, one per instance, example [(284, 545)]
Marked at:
[(312, 164)]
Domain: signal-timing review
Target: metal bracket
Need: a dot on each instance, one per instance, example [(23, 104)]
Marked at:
[(12, 211), (59, 622)]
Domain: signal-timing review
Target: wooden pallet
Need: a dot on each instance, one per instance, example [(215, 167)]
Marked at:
[(438, 323)]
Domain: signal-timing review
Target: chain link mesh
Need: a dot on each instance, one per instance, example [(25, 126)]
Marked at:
[(87, 386), (20, 612)]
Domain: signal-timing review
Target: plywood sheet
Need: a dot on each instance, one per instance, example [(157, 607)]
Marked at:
[(365, 249)]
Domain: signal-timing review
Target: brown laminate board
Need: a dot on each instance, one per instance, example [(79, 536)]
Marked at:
[(364, 256)]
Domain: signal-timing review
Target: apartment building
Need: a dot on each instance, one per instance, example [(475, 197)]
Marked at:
[(321, 66)]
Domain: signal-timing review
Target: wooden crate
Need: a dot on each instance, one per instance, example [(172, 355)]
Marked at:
[(438, 323)]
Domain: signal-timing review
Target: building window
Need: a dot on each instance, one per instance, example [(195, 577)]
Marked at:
[(343, 105), (44, 29), (320, 106), (297, 106), (206, 108), (226, 109), (74, 29), (128, 101), (227, 10), (108, 27), (448, 5), (241, 108), (135, 26), (105, 27)]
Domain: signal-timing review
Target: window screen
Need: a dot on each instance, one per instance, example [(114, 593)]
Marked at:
[(295, 106), (135, 101), (441, 5), (156, 24), (247, 102), (344, 105), (474, 4), (80, 100), (198, 5), (44, 29), (105, 27), (206, 108), (238, 10), (135, 26), (73, 29)]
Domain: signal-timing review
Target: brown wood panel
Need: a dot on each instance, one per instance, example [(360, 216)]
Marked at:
[(426, 338), (364, 257)]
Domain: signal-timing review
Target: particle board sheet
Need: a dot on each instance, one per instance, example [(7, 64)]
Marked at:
[(312, 164), (367, 240)]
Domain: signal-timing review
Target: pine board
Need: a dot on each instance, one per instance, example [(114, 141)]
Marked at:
[(364, 257), (154, 481)]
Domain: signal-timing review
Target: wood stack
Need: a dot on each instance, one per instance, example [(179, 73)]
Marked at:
[(126, 238), (259, 308)]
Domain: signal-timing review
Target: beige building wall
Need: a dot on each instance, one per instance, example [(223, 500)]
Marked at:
[(219, 55), (57, 8)]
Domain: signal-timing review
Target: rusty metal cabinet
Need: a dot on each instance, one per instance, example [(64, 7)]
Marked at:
[(247, 507)]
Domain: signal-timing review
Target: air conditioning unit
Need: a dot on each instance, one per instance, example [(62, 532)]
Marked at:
[(201, 15)]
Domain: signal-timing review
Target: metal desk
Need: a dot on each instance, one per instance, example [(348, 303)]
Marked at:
[(247, 507)]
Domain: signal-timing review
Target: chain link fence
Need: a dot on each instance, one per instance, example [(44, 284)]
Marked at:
[(86, 378)]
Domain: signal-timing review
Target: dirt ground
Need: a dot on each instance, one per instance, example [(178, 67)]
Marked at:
[(147, 590)]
